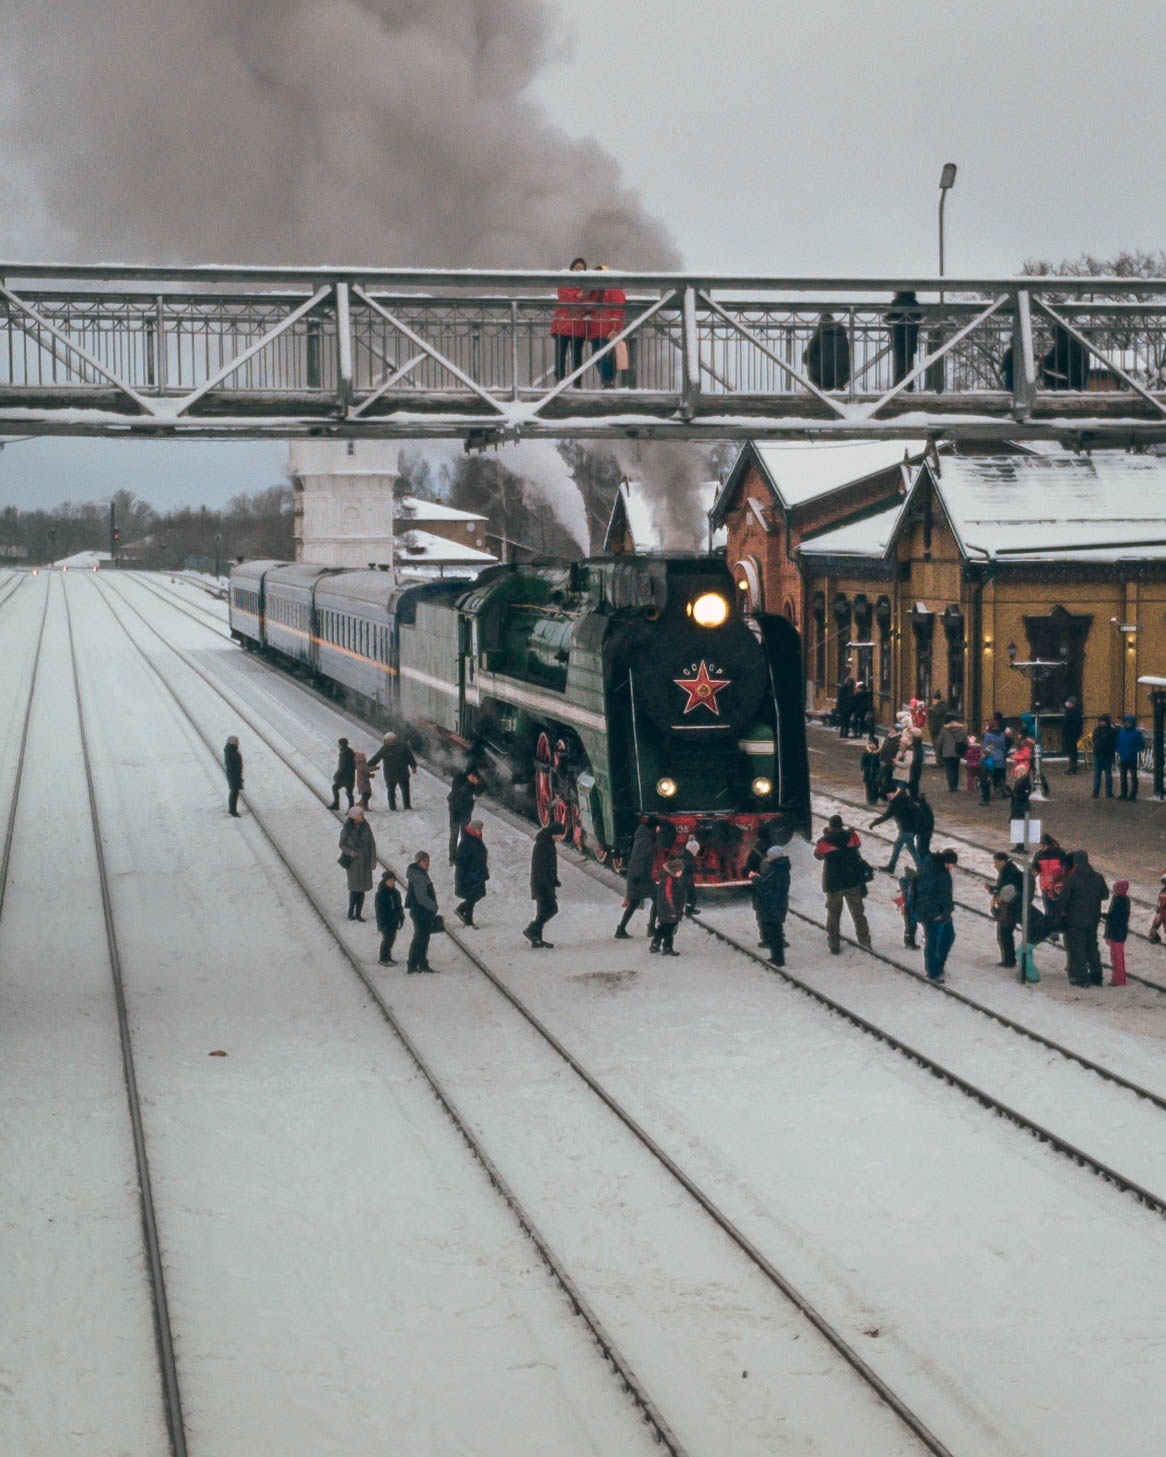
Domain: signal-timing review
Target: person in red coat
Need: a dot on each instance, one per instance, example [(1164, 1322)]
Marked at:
[(569, 325), (604, 322)]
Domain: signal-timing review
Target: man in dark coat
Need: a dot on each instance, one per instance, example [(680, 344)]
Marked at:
[(924, 827), (1128, 744), (421, 903), (233, 764), (936, 718), (904, 316), (771, 902), (844, 706), (390, 916), (901, 809), (471, 871), (1079, 904), (843, 880), (641, 883), (1006, 910), (397, 763), (345, 776), (827, 356), (934, 904), (1072, 723), (670, 897), (1104, 748), (544, 881), (462, 791)]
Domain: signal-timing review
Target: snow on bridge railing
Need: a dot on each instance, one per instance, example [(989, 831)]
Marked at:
[(254, 351)]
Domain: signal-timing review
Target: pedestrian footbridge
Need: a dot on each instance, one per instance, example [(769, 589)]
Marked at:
[(345, 353)]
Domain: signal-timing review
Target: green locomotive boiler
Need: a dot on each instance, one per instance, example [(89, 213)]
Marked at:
[(613, 688)]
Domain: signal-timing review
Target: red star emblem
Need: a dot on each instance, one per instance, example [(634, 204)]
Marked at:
[(702, 689)]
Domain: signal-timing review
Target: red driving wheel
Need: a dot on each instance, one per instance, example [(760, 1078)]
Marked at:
[(543, 790)]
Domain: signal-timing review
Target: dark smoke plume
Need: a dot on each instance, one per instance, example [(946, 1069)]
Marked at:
[(375, 132)]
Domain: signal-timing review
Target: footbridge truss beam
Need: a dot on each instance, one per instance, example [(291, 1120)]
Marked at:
[(252, 352)]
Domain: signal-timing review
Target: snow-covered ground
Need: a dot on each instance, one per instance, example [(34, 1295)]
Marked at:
[(342, 1278)]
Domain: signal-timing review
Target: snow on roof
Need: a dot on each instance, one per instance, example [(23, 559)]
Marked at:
[(802, 471), (868, 537), (83, 559), (413, 508), (422, 546), (1105, 505)]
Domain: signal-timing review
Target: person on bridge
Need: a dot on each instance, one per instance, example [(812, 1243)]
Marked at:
[(1128, 744), (358, 857), (827, 356), (1079, 905), (844, 875), (569, 328), (605, 320), (397, 762), (904, 316), (233, 764), (544, 881), (471, 871), (1066, 365), (345, 776)]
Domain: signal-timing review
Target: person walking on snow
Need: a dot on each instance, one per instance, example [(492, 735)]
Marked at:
[(471, 872), (771, 902), (670, 898), (358, 856), (363, 778), (1117, 930), (843, 880), (1006, 910), (345, 776), (641, 884), (460, 799), (233, 764), (396, 762), (935, 903), (390, 916), (544, 881), (901, 809)]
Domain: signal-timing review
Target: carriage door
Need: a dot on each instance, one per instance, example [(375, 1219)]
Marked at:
[(467, 634)]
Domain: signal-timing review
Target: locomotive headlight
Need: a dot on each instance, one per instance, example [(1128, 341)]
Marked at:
[(762, 787), (710, 609), (666, 788)]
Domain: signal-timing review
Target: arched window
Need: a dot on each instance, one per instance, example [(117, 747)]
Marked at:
[(883, 619), (923, 627), (818, 612), (747, 575), (841, 610), (863, 616), (953, 630)]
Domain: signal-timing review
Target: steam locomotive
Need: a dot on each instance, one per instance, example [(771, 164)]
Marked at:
[(598, 691)]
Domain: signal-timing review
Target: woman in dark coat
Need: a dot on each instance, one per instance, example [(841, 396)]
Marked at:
[(670, 899), (390, 916), (771, 902), (233, 764), (358, 855), (544, 881), (641, 883), (471, 872)]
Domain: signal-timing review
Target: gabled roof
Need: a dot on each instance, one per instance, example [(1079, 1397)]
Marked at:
[(868, 536), (413, 508), (798, 472), (416, 546), (1105, 507)]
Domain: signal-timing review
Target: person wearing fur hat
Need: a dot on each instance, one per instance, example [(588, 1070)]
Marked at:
[(358, 856), (1117, 929), (233, 764), (771, 902), (670, 897), (471, 871), (397, 762)]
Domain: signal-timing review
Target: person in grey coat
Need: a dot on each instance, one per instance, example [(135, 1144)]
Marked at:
[(233, 764), (421, 903), (358, 855), (641, 884), (1079, 906)]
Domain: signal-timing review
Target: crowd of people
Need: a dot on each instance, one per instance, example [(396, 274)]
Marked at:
[(1075, 903)]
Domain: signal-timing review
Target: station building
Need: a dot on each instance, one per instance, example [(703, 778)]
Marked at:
[(967, 570)]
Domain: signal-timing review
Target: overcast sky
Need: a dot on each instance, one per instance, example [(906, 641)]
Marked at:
[(781, 139)]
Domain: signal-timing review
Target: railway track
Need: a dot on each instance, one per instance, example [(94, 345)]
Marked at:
[(21, 751), (725, 1225), (1044, 1134)]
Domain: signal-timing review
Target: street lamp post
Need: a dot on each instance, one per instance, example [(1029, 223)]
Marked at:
[(937, 372)]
